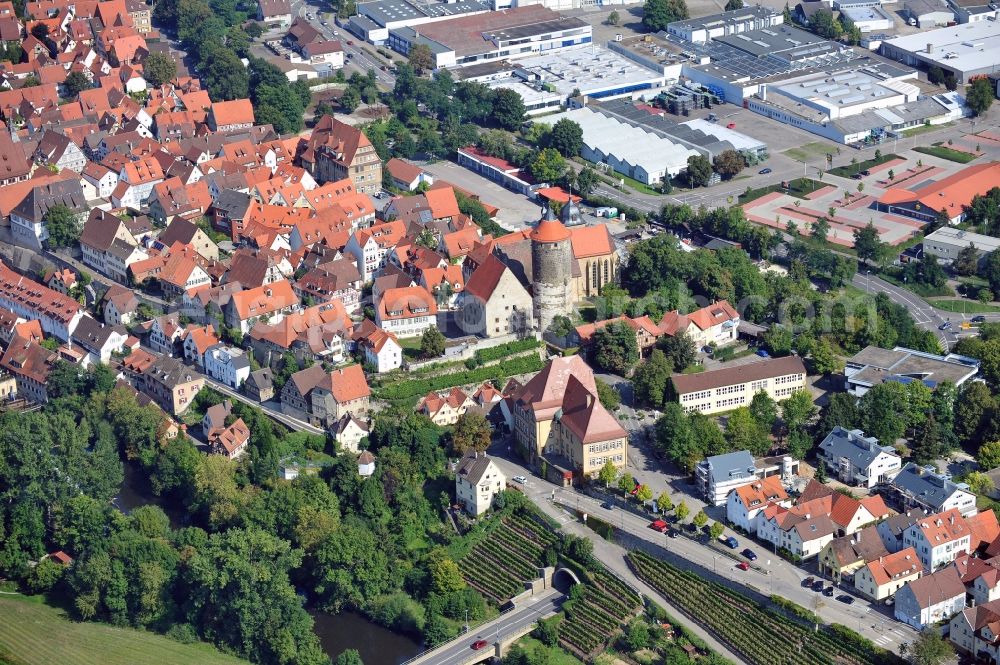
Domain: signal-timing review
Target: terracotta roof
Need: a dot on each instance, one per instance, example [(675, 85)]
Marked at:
[(402, 170), (713, 315), (544, 392), (864, 545), (485, 278), (586, 417), (366, 458), (232, 437), (202, 337), (403, 303), (264, 300), (330, 316), (41, 300), (349, 384), (550, 230), (460, 243), (28, 358), (952, 193), (893, 566), (757, 495), (944, 527), (234, 112), (442, 203), (985, 529), (591, 241), (765, 369)]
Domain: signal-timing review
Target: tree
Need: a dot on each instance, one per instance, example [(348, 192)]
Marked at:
[(682, 511), (608, 396), (651, 379), (254, 30), (930, 648), (472, 432), (699, 169), (950, 82), (159, 69), (825, 25), (979, 482), (891, 174), (608, 473), (349, 101), (566, 137), (76, 83), (62, 225), (445, 576), (867, 244), (225, 76), (991, 271), (967, 261), (614, 18), (700, 519), (743, 432), (637, 635), (716, 530), (798, 409), (764, 410), (664, 503), (979, 96), (729, 163), (824, 360), (548, 166), (935, 75), (348, 657), (626, 483), (615, 348), (988, 456), (656, 14), (421, 58), (733, 5), (508, 109), (820, 229), (432, 343), (679, 350), (675, 439), (644, 494)]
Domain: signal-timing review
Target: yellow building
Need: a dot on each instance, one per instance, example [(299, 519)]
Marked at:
[(558, 419), (727, 389)]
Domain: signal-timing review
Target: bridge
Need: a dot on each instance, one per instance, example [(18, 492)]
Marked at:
[(499, 633)]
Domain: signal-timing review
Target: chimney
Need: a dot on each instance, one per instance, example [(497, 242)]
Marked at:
[(952, 519), (590, 400), (930, 47)]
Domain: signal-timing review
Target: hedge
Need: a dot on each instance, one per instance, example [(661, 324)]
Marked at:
[(510, 348), (408, 389)]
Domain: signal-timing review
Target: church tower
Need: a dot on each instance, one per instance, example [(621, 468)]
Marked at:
[(551, 268)]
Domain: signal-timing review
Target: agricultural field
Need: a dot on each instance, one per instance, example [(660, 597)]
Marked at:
[(762, 637), (597, 615), (510, 555), (32, 633)]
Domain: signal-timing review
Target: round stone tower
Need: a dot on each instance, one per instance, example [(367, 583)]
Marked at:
[(551, 268)]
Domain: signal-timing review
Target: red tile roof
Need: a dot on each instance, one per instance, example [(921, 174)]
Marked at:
[(349, 384)]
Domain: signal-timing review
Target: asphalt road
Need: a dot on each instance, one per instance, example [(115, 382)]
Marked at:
[(459, 651), (270, 408), (770, 574)]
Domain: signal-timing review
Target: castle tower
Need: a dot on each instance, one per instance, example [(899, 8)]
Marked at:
[(570, 213), (551, 268)]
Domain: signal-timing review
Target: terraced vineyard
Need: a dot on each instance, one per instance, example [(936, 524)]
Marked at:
[(761, 636), (510, 555), (597, 616)]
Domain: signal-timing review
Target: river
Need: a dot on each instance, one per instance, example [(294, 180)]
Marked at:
[(135, 492), (350, 630)]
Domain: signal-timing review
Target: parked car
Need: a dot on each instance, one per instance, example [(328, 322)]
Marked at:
[(890, 601), (763, 353), (607, 505), (818, 585), (945, 326), (764, 171), (808, 582), (519, 480), (750, 554), (658, 525), (729, 542), (828, 591), (978, 319), (673, 533), (844, 598), (743, 565), (479, 644)]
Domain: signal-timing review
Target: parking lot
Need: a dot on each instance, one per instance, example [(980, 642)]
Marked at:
[(516, 211)]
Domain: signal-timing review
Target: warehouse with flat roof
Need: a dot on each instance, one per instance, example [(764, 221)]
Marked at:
[(966, 50), (948, 242)]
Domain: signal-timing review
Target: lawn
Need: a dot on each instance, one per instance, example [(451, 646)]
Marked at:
[(804, 153), (553, 655), (964, 306), (946, 153), (923, 129), (36, 634), (921, 290), (850, 169), (798, 188), (411, 347)]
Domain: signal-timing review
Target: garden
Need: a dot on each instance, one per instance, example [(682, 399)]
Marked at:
[(944, 152), (761, 636), (596, 613), (508, 556)]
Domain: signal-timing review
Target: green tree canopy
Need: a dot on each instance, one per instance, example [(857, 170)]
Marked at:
[(159, 68), (615, 348), (656, 14), (432, 343), (508, 109), (980, 95), (652, 379), (471, 432), (566, 137), (62, 225)]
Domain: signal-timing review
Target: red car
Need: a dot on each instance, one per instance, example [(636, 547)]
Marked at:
[(743, 565), (658, 525), (479, 644)]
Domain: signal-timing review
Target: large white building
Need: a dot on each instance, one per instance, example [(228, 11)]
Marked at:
[(228, 365), (734, 22), (477, 482), (629, 150), (966, 50)]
